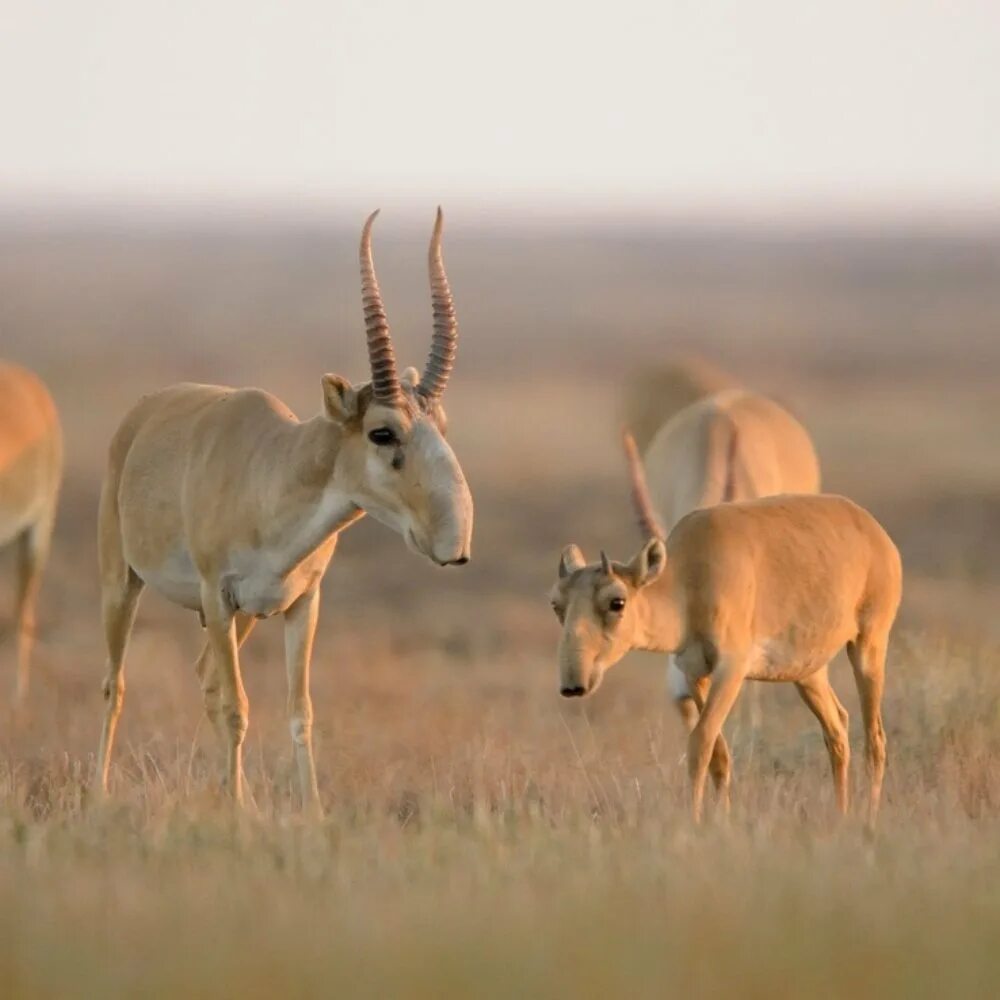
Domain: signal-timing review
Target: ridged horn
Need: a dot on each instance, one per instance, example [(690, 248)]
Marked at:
[(649, 523), (605, 563), (444, 341), (381, 357)]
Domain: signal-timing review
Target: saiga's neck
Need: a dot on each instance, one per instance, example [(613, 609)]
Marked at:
[(659, 627), (311, 504)]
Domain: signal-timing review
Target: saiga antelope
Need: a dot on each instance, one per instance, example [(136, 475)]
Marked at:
[(765, 589), (226, 503), (732, 445), (31, 457)]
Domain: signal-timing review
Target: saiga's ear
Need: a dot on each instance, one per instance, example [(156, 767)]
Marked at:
[(648, 563), (570, 561), (339, 398)]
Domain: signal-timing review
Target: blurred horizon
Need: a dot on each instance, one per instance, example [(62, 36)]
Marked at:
[(484, 216)]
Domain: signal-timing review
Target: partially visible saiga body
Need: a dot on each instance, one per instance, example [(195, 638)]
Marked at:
[(31, 464), (226, 503), (766, 589)]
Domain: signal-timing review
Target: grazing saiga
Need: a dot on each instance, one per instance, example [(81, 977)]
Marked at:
[(766, 589), (227, 504), (31, 461)]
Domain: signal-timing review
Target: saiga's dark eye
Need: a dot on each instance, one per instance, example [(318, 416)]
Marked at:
[(382, 436), (616, 604)]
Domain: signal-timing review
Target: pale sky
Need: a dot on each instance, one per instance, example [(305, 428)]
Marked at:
[(673, 104)]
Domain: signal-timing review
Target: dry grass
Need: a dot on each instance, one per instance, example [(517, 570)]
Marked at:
[(485, 838)]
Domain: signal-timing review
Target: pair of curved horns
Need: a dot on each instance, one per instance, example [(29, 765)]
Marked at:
[(381, 356)]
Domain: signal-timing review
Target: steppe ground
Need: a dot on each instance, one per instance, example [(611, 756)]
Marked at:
[(485, 838)]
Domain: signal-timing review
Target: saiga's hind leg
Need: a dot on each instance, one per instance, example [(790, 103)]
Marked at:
[(32, 553), (867, 656), (118, 601), (822, 700)]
